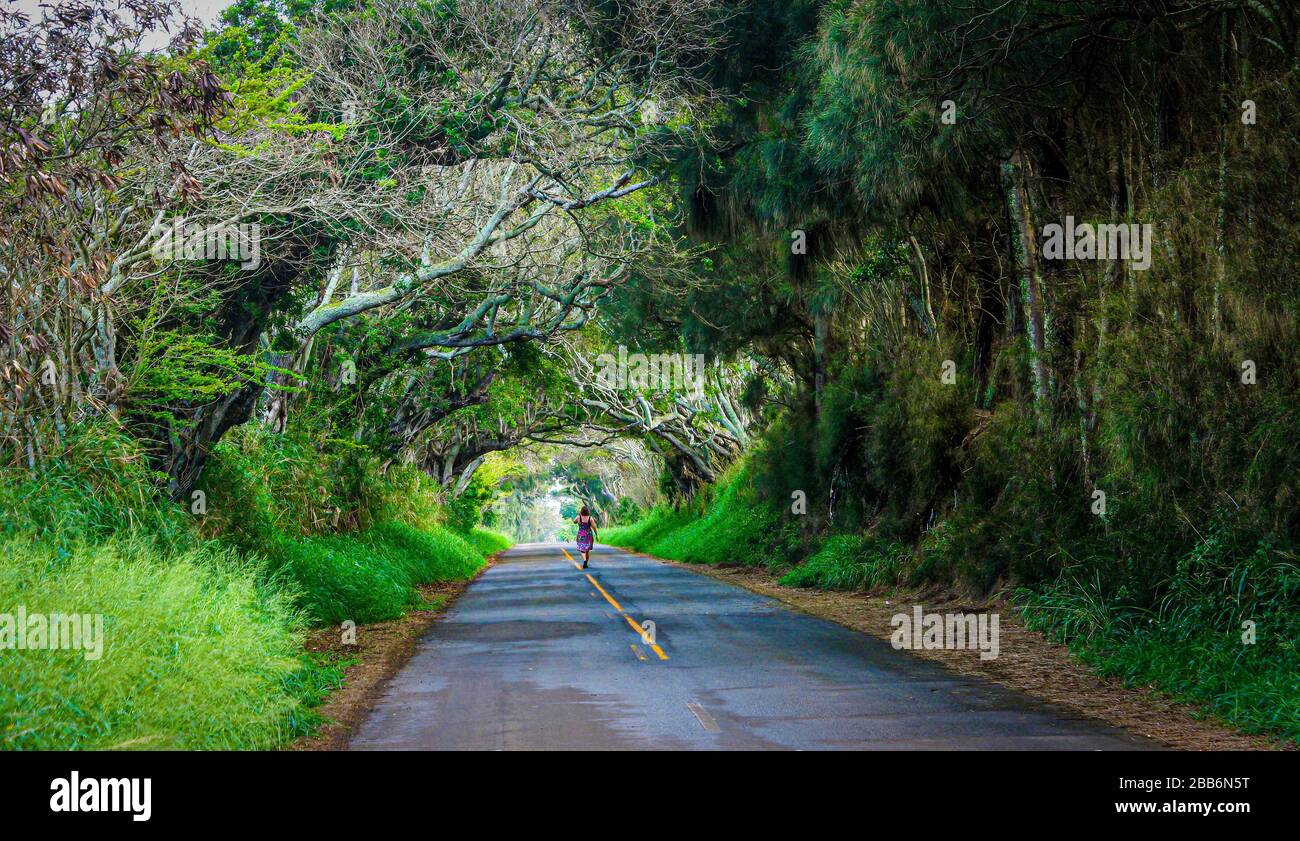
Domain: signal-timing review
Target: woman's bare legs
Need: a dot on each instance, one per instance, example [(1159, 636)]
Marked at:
[(584, 558)]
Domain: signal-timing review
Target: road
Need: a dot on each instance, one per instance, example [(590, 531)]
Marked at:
[(538, 654)]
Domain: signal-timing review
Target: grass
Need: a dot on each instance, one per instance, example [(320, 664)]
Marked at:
[(487, 542), (649, 530), (203, 617), (97, 486), (198, 651), (355, 556), (202, 648), (369, 576), (1193, 645), (729, 525), (849, 562)]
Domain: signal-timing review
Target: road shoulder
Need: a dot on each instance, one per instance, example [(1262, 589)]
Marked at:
[(380, 652)]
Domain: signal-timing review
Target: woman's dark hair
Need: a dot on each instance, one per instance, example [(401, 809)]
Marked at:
[(584, 512)]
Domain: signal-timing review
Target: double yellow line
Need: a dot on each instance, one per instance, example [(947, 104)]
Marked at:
[(635, 627)]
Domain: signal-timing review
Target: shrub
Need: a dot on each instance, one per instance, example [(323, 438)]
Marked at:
[(98, 484), (645, 532), (726, 525), (349, 540), (337, 578), (369, 576)]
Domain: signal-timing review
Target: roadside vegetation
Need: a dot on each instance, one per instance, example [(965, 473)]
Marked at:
[(204, 614)]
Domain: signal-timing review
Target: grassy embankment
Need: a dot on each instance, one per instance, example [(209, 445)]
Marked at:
[(204, 614)]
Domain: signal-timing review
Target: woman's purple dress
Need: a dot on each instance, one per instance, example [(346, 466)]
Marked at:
[(584, 536)]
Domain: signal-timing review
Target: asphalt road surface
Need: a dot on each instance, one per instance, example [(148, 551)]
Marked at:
[(538, 654)]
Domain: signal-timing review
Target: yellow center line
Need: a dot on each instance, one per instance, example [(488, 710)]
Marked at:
[(635, 627), (607, 596), (641, 632)]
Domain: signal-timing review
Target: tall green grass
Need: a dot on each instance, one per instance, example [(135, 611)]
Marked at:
[(731, 524), (368, 576), (1193, 644), (649, 529), (488, 542), (198, 651), (98, 485), (726, 524), (351, 542), (849, 562), (204, 614)]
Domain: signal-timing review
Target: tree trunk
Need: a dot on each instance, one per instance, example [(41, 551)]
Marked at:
[(276, 415), (1029, 272), (189, 452), (1221, 189), (242, 319), (821, 331)]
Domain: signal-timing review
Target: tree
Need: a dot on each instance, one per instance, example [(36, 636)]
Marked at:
[(84, 110), (461, 165)]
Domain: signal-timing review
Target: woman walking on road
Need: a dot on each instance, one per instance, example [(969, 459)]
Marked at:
[(586, 533)]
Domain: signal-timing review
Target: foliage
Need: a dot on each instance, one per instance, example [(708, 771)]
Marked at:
[(1192, 643), (203, 634), (98, 483), (488, 543), (849, 562), (198, 652), (725, 526), (349, 542)]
